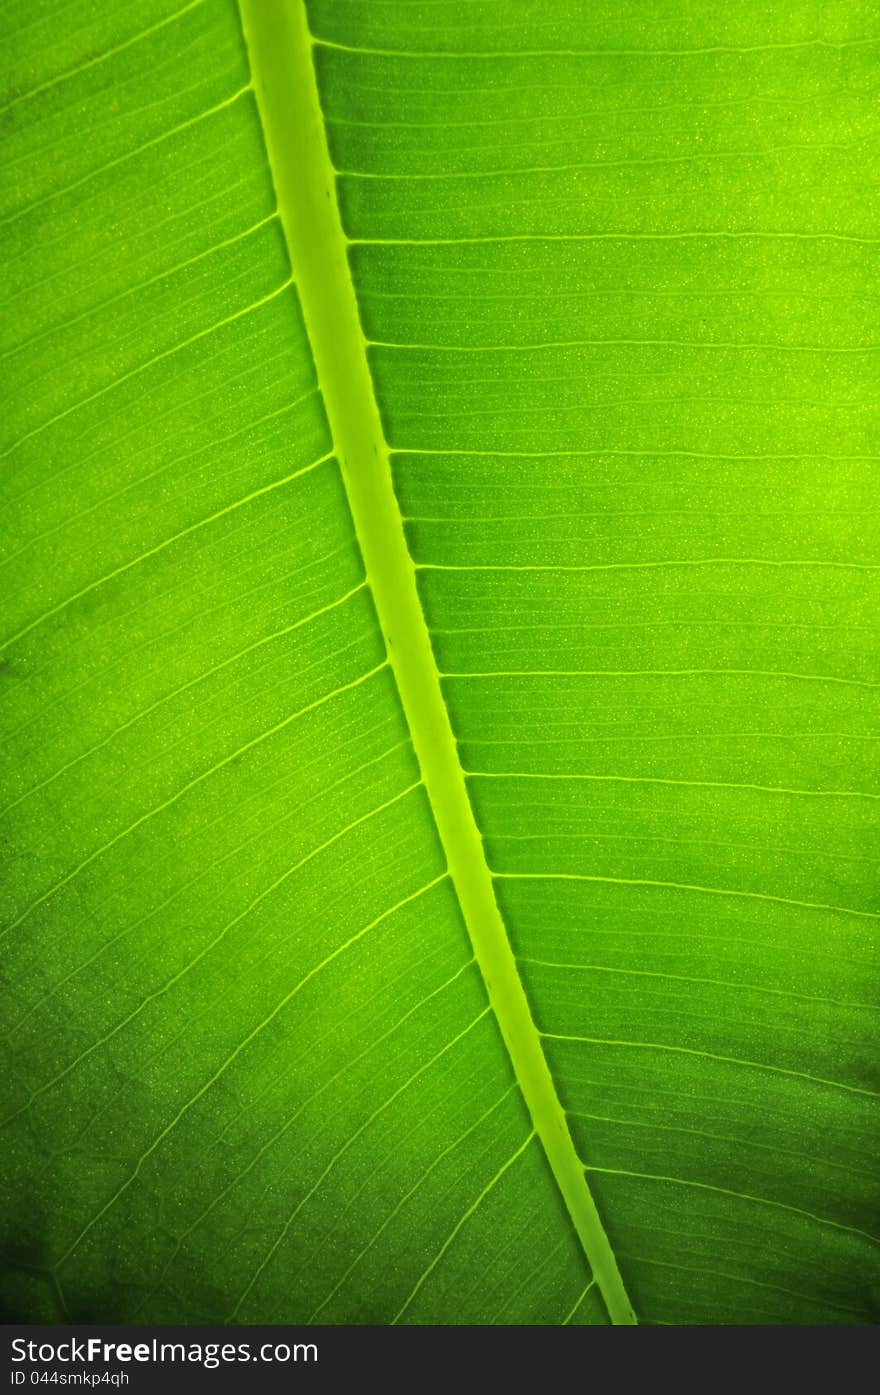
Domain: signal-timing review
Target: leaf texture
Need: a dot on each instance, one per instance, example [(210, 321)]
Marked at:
[(615, 272)]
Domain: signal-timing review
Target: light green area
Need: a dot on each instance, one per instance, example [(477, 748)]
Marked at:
[(616, 269)]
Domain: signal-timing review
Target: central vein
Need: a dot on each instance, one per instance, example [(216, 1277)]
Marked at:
[(280, 50)]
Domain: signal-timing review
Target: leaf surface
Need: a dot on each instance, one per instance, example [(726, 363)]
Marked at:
[(439, 674)]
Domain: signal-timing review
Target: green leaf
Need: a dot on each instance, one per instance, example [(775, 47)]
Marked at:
[(439, 668)]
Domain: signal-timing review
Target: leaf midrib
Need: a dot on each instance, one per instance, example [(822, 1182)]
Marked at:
[(280, 51)]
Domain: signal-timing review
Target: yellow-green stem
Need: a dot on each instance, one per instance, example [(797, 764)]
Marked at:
[(282, 67)]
